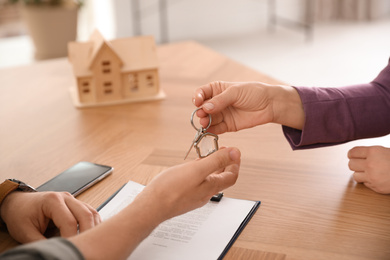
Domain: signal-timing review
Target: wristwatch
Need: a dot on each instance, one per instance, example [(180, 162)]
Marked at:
[(11, 185)]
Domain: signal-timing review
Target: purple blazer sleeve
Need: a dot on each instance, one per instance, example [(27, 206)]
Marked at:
[(338, 115)]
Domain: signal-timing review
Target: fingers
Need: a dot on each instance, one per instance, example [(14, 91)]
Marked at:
[(198, 97), (359, 177), (221, 101), (357, 165), (357, 156), (86, 216), (218, 125), (206, 92), (215, 96), (220, 181), (217, 161), (69, 213), (358, 152), (63, 219), (371, 166)]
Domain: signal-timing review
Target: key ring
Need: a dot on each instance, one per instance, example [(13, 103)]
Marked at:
[(192, 121)]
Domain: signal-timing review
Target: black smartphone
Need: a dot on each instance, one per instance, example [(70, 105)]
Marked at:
[(77, 178)]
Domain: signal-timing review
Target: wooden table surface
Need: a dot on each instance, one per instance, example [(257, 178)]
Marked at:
[(311, 209)]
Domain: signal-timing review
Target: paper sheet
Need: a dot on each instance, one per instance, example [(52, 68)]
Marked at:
[(200, 234)]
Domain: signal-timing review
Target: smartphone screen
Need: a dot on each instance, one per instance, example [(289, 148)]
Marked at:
[(77, 178)]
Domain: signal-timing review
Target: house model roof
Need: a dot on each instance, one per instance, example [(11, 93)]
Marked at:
[(135, 53)]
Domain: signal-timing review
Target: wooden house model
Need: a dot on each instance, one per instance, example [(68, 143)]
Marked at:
[(114, 72)]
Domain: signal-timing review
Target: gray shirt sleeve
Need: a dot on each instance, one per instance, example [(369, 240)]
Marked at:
[(50, 249)]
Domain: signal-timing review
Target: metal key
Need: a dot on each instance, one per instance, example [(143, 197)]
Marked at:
[(198, 134), (202, 134), (206, 144)]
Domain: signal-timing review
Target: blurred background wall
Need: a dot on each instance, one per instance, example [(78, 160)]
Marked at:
[(314, 42), (211, 19)]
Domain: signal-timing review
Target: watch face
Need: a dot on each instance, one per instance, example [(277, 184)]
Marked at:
[(23, 186)]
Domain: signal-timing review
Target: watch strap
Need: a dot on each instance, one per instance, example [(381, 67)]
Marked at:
[(6, 188), (9, 186)]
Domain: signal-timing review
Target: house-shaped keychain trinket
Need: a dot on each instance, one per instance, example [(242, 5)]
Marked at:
[(114, 72), (206, 144)]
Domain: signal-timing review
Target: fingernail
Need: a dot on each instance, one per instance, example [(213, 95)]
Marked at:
[(200, 95), (234, 154), (208, 106), (193, 101)]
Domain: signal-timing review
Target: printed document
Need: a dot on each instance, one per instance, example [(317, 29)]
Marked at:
[(204, 233)]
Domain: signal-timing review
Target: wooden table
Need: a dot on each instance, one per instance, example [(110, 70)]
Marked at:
[(311, 209)]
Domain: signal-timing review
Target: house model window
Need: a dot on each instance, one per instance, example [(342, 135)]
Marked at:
[(107, 87), (116, 71), (85, 87), (106, 67), (133, 82), (150, 80)]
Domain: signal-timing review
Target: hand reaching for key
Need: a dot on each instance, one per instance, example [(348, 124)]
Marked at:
[(174, 191), (235, 106)]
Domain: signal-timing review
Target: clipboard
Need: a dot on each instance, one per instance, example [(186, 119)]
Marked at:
[(143, 251)]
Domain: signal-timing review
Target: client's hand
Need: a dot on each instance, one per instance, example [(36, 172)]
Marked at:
[(173, 192), (371, 166), (27, 214), (190, 185)]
